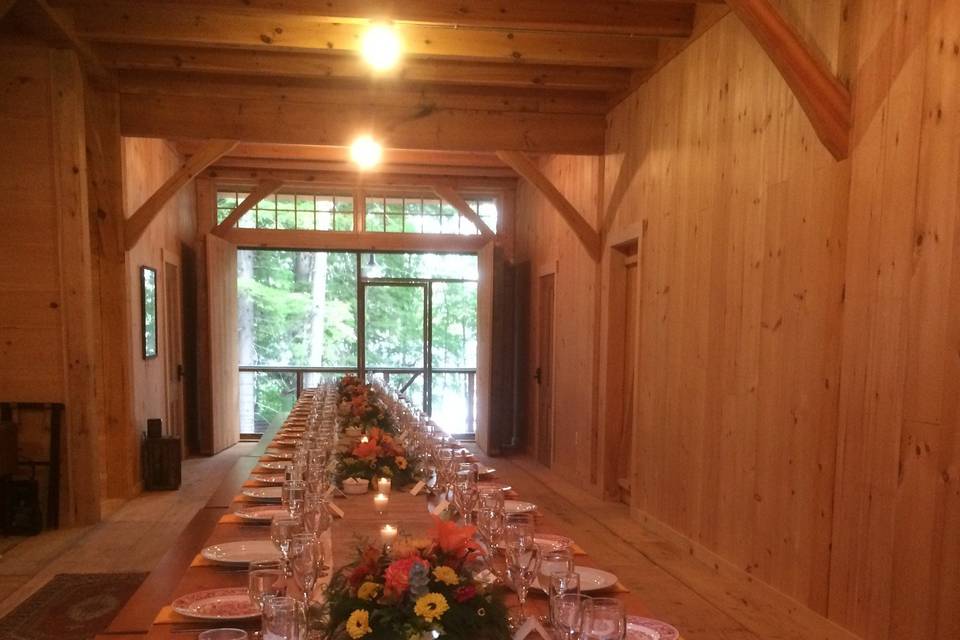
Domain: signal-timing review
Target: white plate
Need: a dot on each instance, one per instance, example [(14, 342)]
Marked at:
[(649, 629), (217, 604), (484, 470), (260, 514), (493, 484), (275, 465), (591, 579), (242, 552), (279, 455), (518, 506), (269, 478), (263, 494)]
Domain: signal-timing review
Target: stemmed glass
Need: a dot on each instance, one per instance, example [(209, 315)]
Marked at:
[(292, 495), (282, 529), (306, 562), (316, 515), (265, 579), (603, 619), (490, 517), (523, 559), (465, 494)]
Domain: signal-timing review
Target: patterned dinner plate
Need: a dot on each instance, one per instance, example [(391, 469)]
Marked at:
[(649, 629), (217, 604), (241, 552), (518, 506), (263, 494), (259, 514)]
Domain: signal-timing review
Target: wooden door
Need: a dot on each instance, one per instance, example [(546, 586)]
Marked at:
[(173, 297), (544, 372), (625, 448), (220, 377)]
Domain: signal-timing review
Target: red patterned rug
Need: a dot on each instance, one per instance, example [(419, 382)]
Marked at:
[(72, 606)]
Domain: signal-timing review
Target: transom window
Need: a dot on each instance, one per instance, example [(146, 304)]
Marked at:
[(425, 215), (304, 211)]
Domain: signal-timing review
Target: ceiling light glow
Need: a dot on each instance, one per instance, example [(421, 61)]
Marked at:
[(381, 47), (366, 152)]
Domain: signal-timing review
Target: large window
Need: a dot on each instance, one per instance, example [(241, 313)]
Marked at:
[(408, 319), (303, 211)]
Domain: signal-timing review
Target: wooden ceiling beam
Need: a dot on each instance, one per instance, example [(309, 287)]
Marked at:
[(280, 64), (448, 193), (135, 225), (823, 98), (265, 188), (524, 166), (344, 166), (166, 25), (273, 120), (649, 17), (351, 241), (347, 180)]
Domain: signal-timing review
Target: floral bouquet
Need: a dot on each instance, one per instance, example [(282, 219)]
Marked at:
[(416, 590), (360, 405), (379, 456)]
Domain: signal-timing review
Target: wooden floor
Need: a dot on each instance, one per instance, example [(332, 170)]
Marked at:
[(128, 539), (675, 586)]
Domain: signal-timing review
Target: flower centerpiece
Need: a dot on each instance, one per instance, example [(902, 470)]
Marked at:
[(416, 589), (360, 406), (378, 454)]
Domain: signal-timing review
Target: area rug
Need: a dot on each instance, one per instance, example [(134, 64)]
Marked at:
[(71, 606)]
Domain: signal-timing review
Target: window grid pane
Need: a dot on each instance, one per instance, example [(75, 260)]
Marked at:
[(288, 211)]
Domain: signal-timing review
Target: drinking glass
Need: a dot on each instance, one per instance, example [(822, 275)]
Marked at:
[(465, 494), (316, 515), (561, 584), (281, 618), (523, 559), (568, 616), (265, 579), (282, 529), (292, 495), (554, 561), (306, 563), (603, 619)]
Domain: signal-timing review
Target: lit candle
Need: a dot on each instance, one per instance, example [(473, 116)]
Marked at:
[(384, 485), (388, 534), (380, 502), (364, 439)]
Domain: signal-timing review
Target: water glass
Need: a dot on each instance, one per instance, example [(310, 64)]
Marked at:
[(562, 584), (554, 561), (265, 579), (316, 515), (523, 559), (282, 529), (568, 616), (282, 618), (603, 619), (306, 563)]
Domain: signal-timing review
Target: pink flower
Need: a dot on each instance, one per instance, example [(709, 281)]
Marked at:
[(466, 593)]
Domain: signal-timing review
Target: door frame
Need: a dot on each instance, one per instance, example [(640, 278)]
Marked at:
[(550, 268), (169, 257)]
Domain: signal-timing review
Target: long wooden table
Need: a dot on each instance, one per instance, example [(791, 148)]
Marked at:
[(179, 574)]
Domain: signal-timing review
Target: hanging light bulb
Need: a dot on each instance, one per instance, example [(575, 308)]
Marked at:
[(366, 152), (381, 47)]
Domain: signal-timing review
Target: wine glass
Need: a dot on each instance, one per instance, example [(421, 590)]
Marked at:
[(292, 495), (523, 559), (282, 529), (465, 494), (316, 515), (265, 579), (603, 619), (568, 615), (306, 562)]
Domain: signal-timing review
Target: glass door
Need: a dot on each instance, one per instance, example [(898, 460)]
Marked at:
[(396, 337)]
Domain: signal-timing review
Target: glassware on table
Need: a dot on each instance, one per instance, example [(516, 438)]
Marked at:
[(316, 515), (561, 584), (567, 613), (265, 579), (465, 495), (554, 561), (292, 495), (282, 619), (282, 529), (603, 619), (306, 563), (523, 559)]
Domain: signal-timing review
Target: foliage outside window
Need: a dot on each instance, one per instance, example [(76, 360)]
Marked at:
[(425, 215)]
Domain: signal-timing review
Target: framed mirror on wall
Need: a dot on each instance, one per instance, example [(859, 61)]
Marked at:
[(148, 311)]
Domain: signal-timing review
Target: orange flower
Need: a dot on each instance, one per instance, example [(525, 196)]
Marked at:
[(397, 575), (369, 450), (452, 538)]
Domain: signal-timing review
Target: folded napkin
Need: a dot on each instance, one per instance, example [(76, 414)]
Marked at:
[(200, 561), (532, 629)]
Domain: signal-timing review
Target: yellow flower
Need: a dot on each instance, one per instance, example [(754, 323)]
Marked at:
[(368, 591), (401, 462), (431, 606), (446, 575), (358, 624)]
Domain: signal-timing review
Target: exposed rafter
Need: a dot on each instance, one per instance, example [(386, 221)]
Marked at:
[(265, 188), (137, 223), (824, 99), (523, 165), (448, 193), (174, 25)]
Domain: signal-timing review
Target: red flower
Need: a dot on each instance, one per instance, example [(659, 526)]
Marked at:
[(465, 594), (367, 450), (397, 575)]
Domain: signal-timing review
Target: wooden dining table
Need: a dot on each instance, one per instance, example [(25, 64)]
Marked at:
[(182, 571)]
